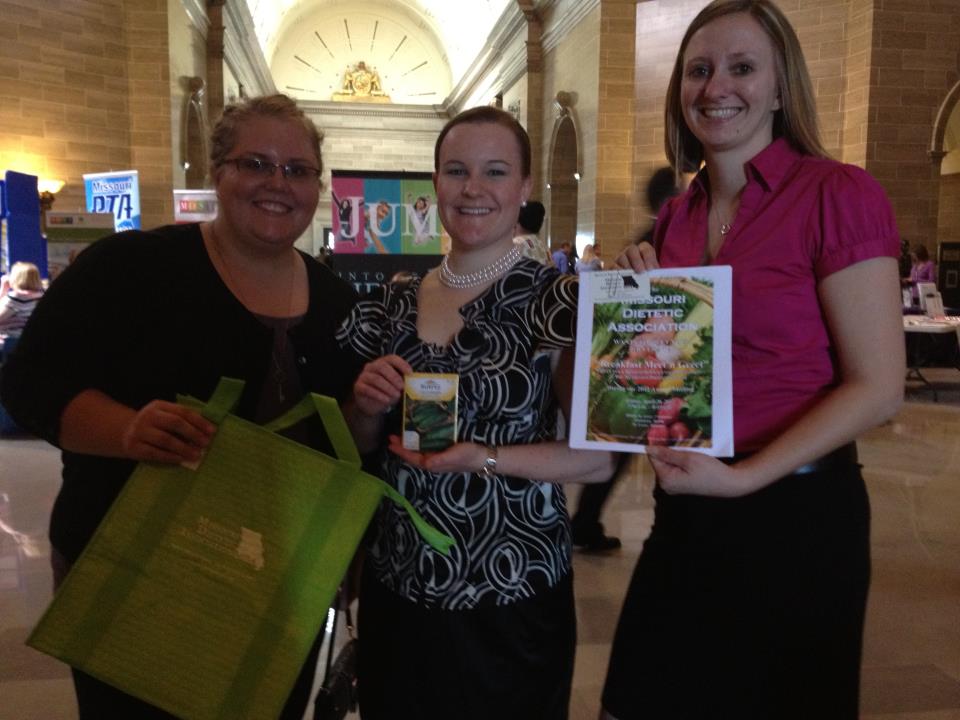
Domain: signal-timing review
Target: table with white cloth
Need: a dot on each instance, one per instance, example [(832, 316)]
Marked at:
[(924, 331)]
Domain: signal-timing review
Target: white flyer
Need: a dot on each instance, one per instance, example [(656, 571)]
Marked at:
[(653, 361)]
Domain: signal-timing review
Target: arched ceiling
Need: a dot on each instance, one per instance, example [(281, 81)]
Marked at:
[(420, 48)]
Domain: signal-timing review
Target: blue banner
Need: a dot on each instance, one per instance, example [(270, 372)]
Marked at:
[(117, 193)]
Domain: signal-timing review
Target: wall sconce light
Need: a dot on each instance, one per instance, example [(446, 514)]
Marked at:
[(576, 176), (47, 189)]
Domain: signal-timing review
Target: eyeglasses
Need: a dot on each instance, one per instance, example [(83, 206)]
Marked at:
[(255, 167)]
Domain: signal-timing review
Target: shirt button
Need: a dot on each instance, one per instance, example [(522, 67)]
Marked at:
[(302, 360)]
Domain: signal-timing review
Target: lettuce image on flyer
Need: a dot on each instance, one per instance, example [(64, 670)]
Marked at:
[(653, 361), (651, 371)]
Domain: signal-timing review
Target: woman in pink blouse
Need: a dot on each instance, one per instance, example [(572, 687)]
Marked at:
[(748, 600)]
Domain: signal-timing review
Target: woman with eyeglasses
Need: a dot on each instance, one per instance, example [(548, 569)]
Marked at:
[(143, 316)]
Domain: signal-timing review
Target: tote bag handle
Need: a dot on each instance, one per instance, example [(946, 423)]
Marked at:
[(226, 395)]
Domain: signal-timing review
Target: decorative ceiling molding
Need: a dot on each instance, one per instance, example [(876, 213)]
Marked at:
[(197, 12), (500, 63), (570, 13), (321, 108), (242, 50), (328, 41)]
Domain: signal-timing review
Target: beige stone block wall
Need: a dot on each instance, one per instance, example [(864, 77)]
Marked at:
[(949, 215), (59, 70), (880, 68), (916, 48), (615, 127), (83, 88), (148, 68)]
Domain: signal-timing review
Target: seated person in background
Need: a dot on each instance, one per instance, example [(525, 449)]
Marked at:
[(922, 269), (589, 260), (25, 289)]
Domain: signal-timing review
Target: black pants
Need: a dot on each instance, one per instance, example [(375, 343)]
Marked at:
[(749, 608), (96, 700)]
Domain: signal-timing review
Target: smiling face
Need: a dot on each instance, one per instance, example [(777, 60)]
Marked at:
[(480, 184), (267, 212), (728, 90)]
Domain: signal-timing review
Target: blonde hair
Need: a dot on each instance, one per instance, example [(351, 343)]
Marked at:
[(25, 276), (588, 253), (796, 120)]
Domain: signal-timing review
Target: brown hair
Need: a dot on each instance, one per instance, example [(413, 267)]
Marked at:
[(281, 107), (25, 276), (488, 114), (796, 120)]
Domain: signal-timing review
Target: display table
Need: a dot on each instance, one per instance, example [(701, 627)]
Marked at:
[(919, 355)]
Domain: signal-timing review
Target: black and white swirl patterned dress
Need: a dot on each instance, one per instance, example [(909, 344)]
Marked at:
[(512, 533)]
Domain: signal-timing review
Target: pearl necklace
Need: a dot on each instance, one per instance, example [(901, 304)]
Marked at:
[(481, 277)]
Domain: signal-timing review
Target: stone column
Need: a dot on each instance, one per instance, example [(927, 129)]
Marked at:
[(615, 127), (534, 97), (215, 61)]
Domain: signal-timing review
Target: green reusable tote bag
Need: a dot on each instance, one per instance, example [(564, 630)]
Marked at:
[(203, 589)]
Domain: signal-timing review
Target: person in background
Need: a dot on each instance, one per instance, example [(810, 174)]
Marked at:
[(24, 288), (922, 270), (141, 316), (660, 188), (749, 597), (561, 258), (490, 631), (588, 261), (529, 223)]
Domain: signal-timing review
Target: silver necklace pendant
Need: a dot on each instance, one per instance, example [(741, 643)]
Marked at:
[(481, 277), (725, 228)]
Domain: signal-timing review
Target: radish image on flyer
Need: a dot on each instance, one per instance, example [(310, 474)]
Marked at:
[(653, 361)]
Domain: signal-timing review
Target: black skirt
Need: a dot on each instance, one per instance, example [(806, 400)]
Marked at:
[(748, 608), (507, 662)]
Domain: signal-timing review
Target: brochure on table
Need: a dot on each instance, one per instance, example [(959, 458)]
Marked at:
[(653, 361)]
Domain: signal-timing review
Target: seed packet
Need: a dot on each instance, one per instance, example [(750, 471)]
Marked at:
[(653, 362), (430, 411)]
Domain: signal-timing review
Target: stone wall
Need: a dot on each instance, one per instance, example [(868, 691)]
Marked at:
[(881, 70), (83, 88), (916, 51), (615, 127)]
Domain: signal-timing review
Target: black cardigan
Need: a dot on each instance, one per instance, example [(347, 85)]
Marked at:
[(141, 316)]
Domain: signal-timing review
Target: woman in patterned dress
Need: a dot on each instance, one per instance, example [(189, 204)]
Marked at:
[(489, 631)]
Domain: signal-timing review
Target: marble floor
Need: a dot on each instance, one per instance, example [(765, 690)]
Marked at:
[(911, 667)]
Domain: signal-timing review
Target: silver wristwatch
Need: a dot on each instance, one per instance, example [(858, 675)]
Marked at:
[(489, 468)]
